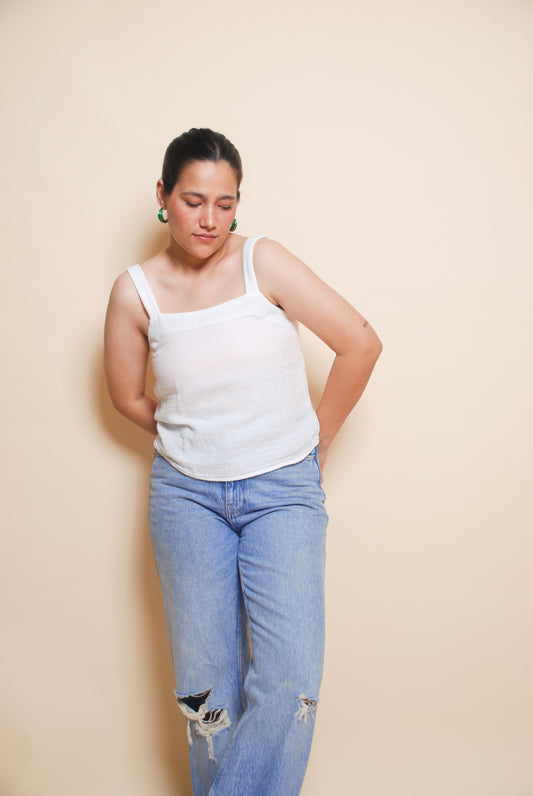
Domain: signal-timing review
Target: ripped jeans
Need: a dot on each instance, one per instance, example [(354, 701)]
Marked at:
[(241, 565)]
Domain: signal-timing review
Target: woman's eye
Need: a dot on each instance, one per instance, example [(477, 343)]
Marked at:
[(226, 207), (192, 204)]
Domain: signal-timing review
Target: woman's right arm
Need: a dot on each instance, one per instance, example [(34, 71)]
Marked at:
[(126, 352)]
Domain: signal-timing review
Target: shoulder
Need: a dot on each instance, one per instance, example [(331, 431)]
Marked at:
[(267, 251), (124, 301), (123, 291), (278, 270), (270, 257)]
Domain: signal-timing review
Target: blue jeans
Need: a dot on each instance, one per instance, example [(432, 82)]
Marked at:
[(241, 565)]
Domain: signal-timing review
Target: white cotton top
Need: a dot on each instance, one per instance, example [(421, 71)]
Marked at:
[(233, 400)]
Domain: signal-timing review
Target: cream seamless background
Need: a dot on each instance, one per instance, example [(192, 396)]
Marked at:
[(389, 145)]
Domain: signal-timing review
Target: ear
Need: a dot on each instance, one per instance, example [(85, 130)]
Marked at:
[(160, 193)]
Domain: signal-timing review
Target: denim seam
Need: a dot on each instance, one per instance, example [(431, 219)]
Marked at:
[(240, 662), (214, 784)]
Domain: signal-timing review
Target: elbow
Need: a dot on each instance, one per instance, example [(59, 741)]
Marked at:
[(364, 351), (117, 404), (371, 349), (377, 348), (124, 404), (121, 406)]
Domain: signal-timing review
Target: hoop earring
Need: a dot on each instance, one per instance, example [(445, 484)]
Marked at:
[(160, 215), (233, 225)]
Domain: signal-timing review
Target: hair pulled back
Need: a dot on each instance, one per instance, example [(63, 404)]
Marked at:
[(198, 143)]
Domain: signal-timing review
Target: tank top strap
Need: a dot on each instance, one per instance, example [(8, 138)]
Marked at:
[(138, 277), (250, 282)]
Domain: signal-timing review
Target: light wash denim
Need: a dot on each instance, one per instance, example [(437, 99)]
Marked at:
[(242, 562)]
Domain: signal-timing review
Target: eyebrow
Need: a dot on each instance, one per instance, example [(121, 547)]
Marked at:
[(203, 196)]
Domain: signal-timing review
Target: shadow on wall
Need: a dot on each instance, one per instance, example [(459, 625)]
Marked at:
[(168, 723)]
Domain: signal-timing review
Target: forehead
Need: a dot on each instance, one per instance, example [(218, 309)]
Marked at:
[(207, 176)]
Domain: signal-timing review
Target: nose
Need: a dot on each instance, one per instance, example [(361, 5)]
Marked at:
[(207, 217)]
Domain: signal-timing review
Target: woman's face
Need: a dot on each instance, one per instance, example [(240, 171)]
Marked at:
[(202, 206)]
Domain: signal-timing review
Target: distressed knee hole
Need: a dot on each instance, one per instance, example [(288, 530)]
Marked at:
[(307, 707), (205, 723)]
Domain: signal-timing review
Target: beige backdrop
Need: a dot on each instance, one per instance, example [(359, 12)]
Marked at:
[(389, 145)]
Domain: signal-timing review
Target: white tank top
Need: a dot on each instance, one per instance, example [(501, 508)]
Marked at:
[(233, 400)]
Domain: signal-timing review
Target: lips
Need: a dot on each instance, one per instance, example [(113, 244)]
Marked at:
[(205, 237)]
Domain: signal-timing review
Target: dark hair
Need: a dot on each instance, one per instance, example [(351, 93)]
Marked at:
[(198, 144)]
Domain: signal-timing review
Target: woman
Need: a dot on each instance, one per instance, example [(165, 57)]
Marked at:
[(237, 518)]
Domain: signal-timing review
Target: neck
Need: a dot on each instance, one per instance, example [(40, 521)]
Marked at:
[(183, 260)]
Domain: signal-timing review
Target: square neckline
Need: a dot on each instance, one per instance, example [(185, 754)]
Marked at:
[(248, 288)]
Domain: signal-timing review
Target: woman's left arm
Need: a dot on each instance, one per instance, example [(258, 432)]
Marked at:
[(288, 282)]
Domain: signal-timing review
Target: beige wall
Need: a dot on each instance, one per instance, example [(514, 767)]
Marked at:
[(389, 145)]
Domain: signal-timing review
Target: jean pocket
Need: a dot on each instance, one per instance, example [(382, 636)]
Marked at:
[(318, 467), (313, 457)]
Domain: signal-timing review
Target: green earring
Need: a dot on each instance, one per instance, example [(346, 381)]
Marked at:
[(160, 215), (233, 225)]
